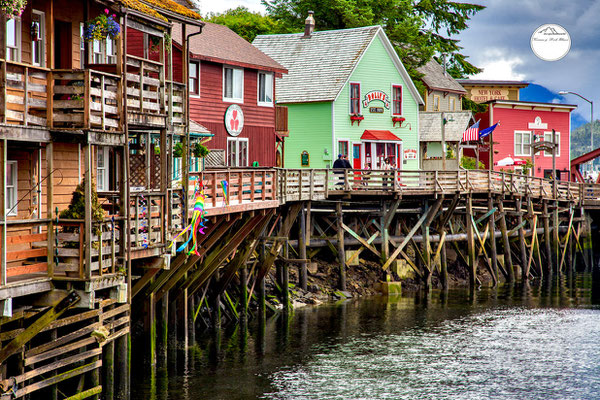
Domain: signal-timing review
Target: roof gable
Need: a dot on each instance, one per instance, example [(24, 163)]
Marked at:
[(435, 78)]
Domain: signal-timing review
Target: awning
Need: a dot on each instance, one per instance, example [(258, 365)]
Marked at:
[(379, 135)]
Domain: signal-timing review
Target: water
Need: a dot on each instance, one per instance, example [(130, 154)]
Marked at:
[(541, 342)]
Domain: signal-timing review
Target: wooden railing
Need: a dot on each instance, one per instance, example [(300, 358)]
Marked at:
[(86, 99), (23, 97), (224, 188), (26, 250), (281, 120), (148, 221), (175, 103), (145, 86)]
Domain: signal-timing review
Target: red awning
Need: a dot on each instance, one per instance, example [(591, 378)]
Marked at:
[(379, 135)]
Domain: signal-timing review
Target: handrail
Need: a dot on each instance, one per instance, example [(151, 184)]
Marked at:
[(158, 63)]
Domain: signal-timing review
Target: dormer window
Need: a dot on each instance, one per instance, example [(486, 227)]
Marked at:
[(354, 98), (233, 85)]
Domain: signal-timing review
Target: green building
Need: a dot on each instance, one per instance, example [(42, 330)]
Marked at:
[(347, 92)]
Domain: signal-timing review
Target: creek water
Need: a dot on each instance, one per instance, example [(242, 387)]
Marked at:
[(511, 342)]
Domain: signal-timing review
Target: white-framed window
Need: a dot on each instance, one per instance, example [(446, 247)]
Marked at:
[(11, 188), (522, 143), (396, 100), (343, 147), (194, 78), (265, 89), (81, 45), (354, 98), (104, 51), (233, 84), (548, 138), (436, 103), (13, 39), (38, 44), (452, 106), (102, 169), (237, 152)]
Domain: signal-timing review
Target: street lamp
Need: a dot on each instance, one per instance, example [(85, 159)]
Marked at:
[(563, 92)]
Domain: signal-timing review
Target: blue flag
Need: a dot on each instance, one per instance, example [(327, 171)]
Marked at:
[(485, 132)]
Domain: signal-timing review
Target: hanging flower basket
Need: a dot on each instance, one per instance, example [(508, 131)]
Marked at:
[(102, 27), (12, 8), (357, 118), (399, 120)]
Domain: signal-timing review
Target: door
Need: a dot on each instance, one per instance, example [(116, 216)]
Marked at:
[(63, 38), (356, 156)]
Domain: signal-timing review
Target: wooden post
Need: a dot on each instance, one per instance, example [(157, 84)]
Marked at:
[(340, 246), (547, 244), (243, 294), (88, 210), (285, 279), (302, 273), (508, 264), (471, 243), (216, 305), (444, 267), (3, 249), (524, 269), (589, 242), (151, 328), (492, 229), (555, 236), (122, 363), (190, 316), (164, 327)]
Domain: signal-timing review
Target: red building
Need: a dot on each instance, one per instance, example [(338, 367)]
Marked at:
[(521, 123), (232, 94)]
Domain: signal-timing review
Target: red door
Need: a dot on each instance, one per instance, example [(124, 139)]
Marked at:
[(356, 156)]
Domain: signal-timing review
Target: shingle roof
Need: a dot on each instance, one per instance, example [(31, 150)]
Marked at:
[(319, 66), (435, 78), (148, 7), (490, 82), (218, 43), (430, 125)]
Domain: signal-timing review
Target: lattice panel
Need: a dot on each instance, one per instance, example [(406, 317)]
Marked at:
[(137, 170), (216, 158)]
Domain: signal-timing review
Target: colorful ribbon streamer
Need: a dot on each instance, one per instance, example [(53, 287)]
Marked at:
[(196, 225), (225, 185)]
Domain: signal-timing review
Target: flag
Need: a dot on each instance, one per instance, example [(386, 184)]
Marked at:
[(472, 133), (487, 131)]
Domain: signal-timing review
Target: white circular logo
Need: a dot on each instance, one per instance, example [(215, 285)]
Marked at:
[(234, 120), (550, 42)]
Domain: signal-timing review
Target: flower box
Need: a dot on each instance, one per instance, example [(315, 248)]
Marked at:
[(399, 120), (356, 118)]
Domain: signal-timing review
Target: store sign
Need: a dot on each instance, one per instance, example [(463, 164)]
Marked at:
[(234, 120), (376, 95), (376, 110), (484, 94), (410, 154)]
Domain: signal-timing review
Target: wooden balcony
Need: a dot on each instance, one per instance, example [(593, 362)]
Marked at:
[(145, 92), (281, 121), (23, 94)]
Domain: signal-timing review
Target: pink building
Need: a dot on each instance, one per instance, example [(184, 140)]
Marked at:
[(521, 123)]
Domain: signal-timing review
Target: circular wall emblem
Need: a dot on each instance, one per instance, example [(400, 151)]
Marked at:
[(234, 120), (550, 42)]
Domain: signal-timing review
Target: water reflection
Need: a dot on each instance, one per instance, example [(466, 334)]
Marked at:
[(534, 341)]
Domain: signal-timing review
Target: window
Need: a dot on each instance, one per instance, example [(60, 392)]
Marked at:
[(81, 46), (104, 51), (354, 98), (265, 89), (102, 169), (11, 188), (38, 43), (13, 39), (436, 103), (548, 138), (233, 85), (237, 152), (452, 104), (522, 143), (194, 79), (343, 147), (397, 100)]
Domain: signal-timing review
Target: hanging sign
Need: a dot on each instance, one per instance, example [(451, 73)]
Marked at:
[(234, 120), (410, 154), (305, 159), (376, 95)]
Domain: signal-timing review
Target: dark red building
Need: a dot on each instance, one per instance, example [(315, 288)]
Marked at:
[(232, 94)]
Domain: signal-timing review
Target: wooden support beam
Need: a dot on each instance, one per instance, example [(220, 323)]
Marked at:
[(547, 240), (340, 248), (492, 226), (521, 224), (567, 239), (43, 321), (531, 250), (472, 262), (555, 237), (508, 263), (302, 234)]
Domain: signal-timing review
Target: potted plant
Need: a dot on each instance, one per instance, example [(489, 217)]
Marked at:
[(357, 118), (102, 27), (200, 150), (12, 8), (398, 119)]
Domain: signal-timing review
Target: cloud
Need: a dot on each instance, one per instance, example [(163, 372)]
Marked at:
[(499, 65), (219, 6)]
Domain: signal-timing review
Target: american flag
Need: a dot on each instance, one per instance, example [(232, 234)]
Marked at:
[(472, 133)]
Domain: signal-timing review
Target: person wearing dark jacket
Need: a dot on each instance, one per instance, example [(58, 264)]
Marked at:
[(339, 163)]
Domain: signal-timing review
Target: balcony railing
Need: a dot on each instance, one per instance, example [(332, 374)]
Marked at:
[(24, 100), (145, 90)]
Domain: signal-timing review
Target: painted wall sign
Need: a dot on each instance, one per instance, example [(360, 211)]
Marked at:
[(410, 154), (234, 120), (376, 95), (305, 159), (377, 110), (482, 95)]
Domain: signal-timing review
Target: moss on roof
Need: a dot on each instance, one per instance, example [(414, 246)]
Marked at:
[(172, 6), (139, 6)]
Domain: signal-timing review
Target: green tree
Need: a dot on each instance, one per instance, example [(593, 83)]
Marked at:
[(419, 29), (246, 23)]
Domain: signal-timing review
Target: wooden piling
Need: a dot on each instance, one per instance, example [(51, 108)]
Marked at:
[(243, 294), (471, 243), (524, 269), (151, 328), (285, 280), (164, 326), (555, 239), (340, 246), (216, 305), (122, 358), (302, 267), (547, 242), (108, 364), (190, 316), (492, 229), (508, 264), (444, 267)]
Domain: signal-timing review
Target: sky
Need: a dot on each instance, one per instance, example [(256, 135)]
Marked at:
[(498, 40)]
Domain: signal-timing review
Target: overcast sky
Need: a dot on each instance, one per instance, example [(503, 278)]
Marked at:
[(498, 40)]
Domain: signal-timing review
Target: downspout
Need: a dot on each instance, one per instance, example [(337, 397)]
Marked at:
[(126, 156)]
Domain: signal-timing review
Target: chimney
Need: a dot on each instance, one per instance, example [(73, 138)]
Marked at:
[(309, 25)]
